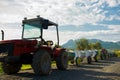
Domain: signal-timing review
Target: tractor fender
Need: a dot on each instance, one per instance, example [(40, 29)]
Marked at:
[(57, 52)]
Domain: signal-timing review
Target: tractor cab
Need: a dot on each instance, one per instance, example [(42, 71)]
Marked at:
[(33, 29)]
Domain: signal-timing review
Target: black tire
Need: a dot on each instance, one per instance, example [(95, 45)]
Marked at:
[(11, 68), (101, 57), (89, 60), (72, 61), (105, 56), (41, 63), (62, 61), (78, 61)]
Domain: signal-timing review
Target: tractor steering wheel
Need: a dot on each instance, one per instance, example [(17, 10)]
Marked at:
[(43, 41), (49, 42)]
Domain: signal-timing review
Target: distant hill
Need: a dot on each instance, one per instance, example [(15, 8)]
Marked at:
[(107, 45), (70, 44)]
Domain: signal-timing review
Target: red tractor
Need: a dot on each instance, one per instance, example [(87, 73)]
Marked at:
[(32, 49)]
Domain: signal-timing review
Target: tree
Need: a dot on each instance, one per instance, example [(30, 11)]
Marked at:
[(98, 45), (82, 44), (91, 46)]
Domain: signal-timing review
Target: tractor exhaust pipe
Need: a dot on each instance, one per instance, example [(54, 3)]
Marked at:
[(2, 34)]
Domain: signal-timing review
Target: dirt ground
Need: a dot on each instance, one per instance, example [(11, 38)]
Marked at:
[(102, 70)]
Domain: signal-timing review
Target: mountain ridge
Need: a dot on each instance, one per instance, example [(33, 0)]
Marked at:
[(105, 44)]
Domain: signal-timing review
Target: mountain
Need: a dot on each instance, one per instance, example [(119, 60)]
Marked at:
[(70, 44), (108, 45)]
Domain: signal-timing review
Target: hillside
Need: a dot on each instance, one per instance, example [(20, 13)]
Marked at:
[(107, 45)]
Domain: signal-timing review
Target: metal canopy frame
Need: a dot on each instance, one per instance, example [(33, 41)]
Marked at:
[(40, 21)]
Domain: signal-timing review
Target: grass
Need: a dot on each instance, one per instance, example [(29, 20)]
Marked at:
[(24, 67), (1, 71)]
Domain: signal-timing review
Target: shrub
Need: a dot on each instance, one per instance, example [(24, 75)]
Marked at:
[(117, 52)]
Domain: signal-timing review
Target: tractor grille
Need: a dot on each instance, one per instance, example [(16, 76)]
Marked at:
[(6, 49)]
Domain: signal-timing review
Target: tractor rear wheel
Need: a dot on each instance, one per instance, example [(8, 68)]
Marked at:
[(11, 68), (62, 61), (41, 63)]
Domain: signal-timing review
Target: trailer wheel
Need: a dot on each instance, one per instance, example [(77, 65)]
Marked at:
[(78, 61), (89, 60), (62, 61), (101, 56), (95, 58), (72, 61), (41, 63), (11, 68)]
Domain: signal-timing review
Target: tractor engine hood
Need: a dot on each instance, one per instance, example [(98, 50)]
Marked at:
[(17, 47), (20, 42)]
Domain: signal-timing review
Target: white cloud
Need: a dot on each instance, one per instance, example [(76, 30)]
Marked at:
[(113, 3), (12, 34), (60, 11), (10, 18), (63, 12), (112, 17), (115, 29), (107, 35)]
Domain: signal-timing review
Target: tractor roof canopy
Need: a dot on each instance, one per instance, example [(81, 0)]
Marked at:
[(33, 28), (38, 22)]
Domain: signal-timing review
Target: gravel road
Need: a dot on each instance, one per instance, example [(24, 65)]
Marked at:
[(102, 70)]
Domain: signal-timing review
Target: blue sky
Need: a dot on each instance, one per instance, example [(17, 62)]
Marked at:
[(98, 19)]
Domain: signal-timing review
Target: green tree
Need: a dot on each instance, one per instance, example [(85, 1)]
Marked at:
[(82, 44), (91, 46), (98, 45)]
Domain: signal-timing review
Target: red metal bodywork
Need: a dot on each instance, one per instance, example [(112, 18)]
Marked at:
[(58, 51), (29, 46), (55, 52), (22, 46)]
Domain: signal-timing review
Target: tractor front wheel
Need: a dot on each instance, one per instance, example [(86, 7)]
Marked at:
[(11, 68), (62, 61), (41, 63)]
